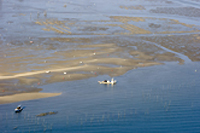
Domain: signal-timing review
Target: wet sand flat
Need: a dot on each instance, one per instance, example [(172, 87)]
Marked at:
[(66, 41), (25, 96)]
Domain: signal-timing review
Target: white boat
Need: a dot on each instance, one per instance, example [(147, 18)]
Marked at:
[(112, 82), (18, 109)]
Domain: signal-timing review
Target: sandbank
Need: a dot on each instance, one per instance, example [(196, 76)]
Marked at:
[(60, 49), (25, 96)]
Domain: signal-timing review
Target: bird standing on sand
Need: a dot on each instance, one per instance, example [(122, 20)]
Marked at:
[(48, 71)]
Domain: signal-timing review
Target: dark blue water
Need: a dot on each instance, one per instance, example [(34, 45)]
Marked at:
[(161, 98)]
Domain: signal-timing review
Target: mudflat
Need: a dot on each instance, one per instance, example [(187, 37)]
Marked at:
[(66, 41)]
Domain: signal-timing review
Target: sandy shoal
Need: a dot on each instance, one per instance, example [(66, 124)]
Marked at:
[(25, 96), (67, 65), (38, 72)]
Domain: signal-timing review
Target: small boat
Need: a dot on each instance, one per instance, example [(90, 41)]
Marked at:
[(18, 109), (112, 82)]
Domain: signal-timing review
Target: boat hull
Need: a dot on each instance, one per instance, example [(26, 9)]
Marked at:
[(18, 110), (102, 82)]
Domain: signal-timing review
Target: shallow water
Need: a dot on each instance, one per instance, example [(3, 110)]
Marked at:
[(161, 98)]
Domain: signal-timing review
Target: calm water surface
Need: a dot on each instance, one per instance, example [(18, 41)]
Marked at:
[(161, 98)]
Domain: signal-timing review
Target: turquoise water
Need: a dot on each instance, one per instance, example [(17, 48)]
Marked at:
[(161, 98)]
